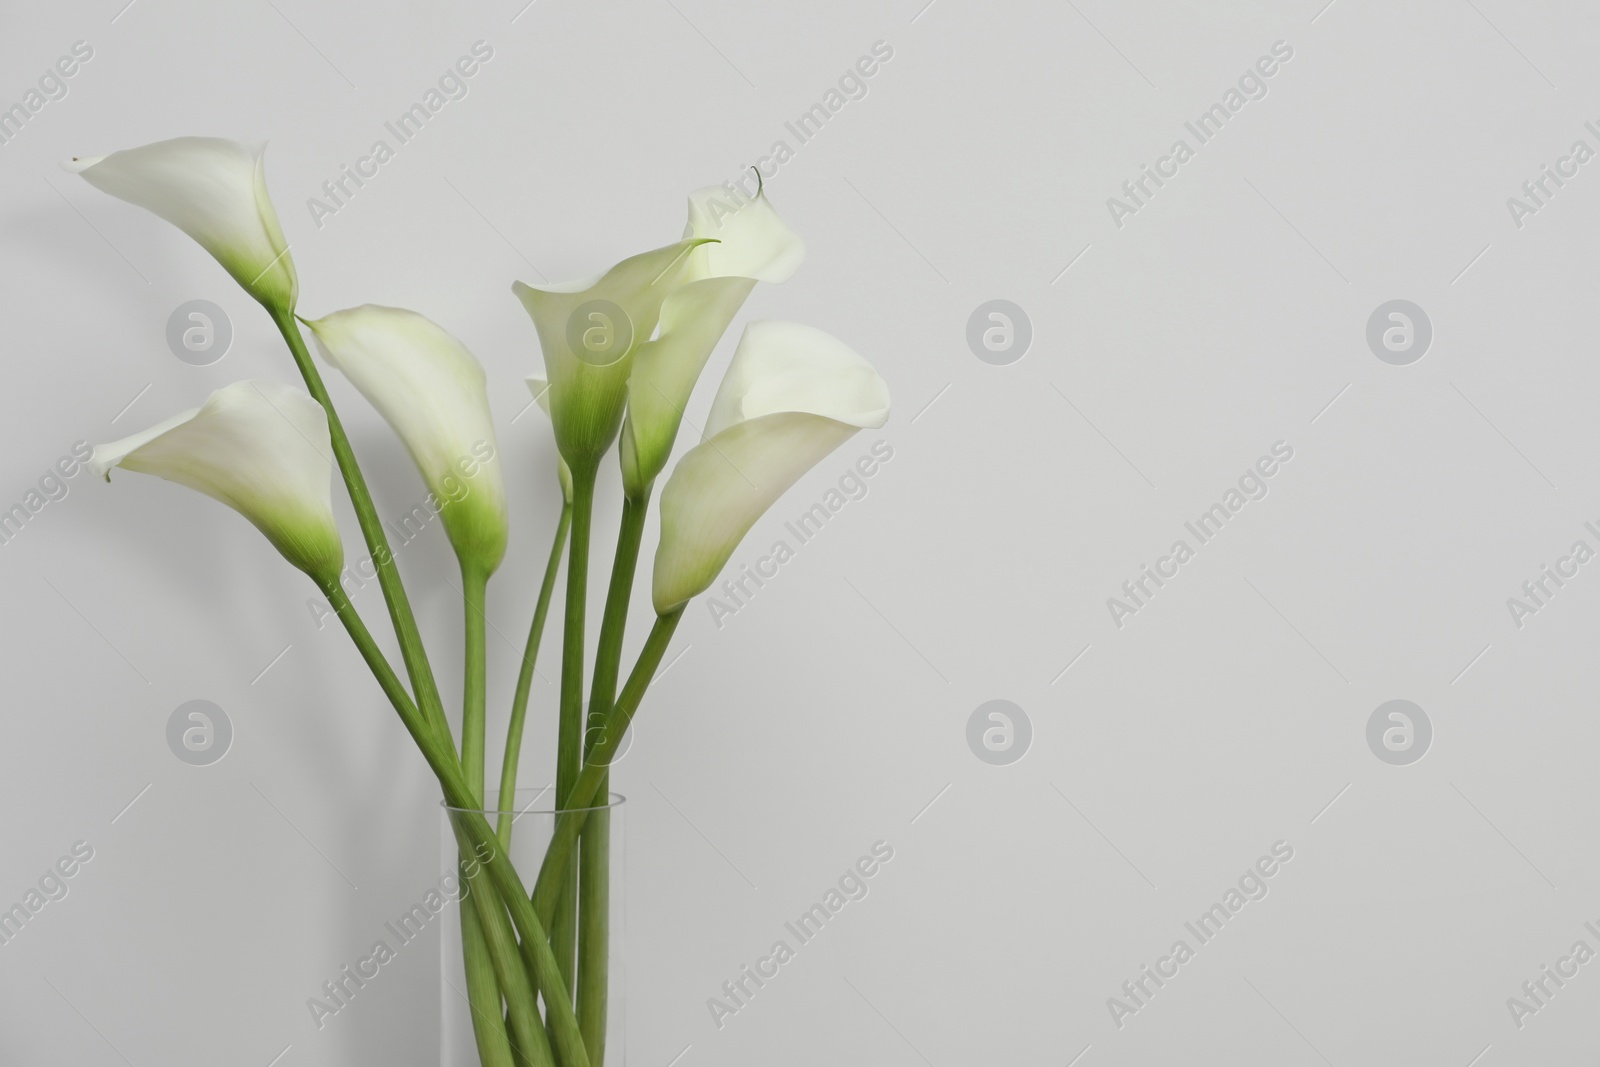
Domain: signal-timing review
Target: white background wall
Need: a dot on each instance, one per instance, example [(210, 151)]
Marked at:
[(1227, 314)]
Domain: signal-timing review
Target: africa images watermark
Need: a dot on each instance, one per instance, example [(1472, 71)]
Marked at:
[(1538, 191), (1252, 85), (53, 886), (337, 192), (1538, 590), (851, 85), (852, 485), (338, 991), (1537, 992), (737, 992), (1252, 886), (1252, 485), (49, 87), (52, 487)]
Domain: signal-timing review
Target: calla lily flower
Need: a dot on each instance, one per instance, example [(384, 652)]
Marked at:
[(589, 331), (215, 191), (261, 448), (434, 394), (753, 245), (541, 395), (792, 395)]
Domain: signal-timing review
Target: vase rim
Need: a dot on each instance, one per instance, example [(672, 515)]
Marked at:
[(537, 800)]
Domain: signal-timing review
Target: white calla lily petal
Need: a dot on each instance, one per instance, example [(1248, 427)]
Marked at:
[(106, 456), (541, 395), (791, 396), (214, 190), (666, 369), (751, 240), (433, 392), (589, 332), (753, 245), (260, 447), (787, 366)]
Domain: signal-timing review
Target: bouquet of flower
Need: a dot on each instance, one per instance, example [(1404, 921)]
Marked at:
[(622, 353)]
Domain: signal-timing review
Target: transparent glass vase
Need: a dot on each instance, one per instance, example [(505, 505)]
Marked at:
[(533, 822)]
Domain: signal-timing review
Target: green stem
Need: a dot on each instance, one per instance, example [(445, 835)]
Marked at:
[(529, 1043), (594, 930), (474, 590), (614, 622), (482, 970), (532, 942), (483, 994), (394, 592), (594, 855), (559, 853), (519, 703), (569, 752)]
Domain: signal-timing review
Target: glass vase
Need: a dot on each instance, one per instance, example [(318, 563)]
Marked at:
[(533, 822)]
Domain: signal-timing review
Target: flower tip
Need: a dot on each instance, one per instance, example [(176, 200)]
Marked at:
[(79, 164), (101, 460), (319, 330), (531, 297)]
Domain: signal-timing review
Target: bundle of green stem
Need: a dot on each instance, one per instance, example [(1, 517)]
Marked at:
[(536, 976), (622, 356)]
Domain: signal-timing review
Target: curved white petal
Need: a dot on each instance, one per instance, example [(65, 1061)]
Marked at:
[(589, 332), (541, 395), (787, 366), (106, 456), (666, 368), (752, 241), (792, 395), (261, 448), (752, 244), (434, 394), (215, 191)]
